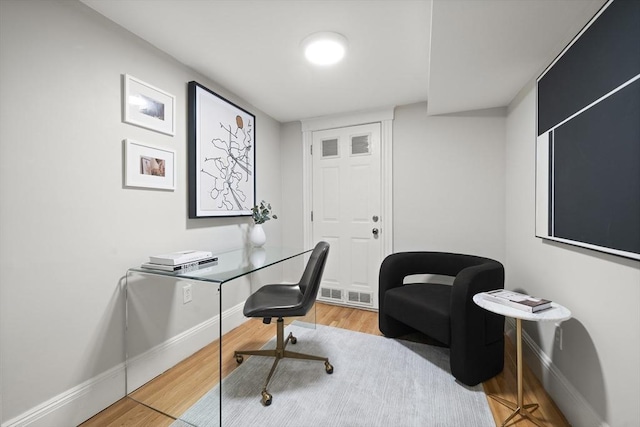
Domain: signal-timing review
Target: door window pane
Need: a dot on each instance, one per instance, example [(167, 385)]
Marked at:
[(330, 147), (360, 144)]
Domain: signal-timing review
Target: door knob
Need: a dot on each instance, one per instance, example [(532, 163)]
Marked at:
[(375, 231)]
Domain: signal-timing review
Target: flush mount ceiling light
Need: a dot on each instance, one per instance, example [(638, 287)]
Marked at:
[(324, 48)]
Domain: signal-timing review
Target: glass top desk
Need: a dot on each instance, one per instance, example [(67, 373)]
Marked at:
[(174, 322)]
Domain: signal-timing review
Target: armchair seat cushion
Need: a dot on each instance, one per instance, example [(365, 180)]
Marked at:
[(424, 307)]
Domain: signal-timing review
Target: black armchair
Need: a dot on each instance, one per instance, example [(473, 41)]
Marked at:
[(444, 312)]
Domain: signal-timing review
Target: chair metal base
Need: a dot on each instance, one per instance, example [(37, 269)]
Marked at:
[(280, 353)]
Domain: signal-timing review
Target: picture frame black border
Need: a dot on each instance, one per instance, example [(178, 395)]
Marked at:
[(192, 154)]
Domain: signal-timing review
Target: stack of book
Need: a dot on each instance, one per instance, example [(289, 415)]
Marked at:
[(517, 300), (178, 261)]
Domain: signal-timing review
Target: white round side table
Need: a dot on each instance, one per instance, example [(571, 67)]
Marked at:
[(556, 313)]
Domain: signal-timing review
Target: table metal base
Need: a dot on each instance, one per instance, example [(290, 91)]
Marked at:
[(518, 407), (523, 411)]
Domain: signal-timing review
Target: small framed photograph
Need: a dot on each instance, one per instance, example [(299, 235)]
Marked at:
[(149, 167), (222, 147), (148, 107)]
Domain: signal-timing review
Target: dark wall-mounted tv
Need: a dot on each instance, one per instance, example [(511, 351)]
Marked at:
[(588, 136)]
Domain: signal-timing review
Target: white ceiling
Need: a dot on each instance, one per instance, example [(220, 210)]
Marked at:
[(459, 55)]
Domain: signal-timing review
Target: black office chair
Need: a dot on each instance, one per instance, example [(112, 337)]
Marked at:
[(287, 301)]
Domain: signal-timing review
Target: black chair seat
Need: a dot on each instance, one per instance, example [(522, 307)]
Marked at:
[(424, 307), (275, 301)]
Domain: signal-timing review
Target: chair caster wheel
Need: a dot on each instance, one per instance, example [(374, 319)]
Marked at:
[(328, 367), (239, 359), (294, 340), (266, 398)]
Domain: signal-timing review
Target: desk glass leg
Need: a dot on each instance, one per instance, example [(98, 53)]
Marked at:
[(167, 335)]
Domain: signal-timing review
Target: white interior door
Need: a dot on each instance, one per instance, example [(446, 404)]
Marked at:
[(347, 212)]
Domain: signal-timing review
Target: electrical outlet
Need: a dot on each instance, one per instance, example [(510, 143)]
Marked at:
[(558, 337), (187, 296)]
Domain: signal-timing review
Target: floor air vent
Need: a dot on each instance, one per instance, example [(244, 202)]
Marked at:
[(361, 297), (335, 294)]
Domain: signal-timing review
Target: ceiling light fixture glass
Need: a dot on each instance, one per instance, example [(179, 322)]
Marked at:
[(325, 48)]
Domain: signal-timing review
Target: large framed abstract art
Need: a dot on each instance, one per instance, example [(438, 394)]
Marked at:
[(588, 137), (221, 156)]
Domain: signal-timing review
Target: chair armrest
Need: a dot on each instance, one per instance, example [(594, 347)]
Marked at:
[(474, 329), (472, 280), (393, 270), (391, 273)]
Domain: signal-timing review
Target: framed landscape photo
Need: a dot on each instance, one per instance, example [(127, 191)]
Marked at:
[(148, 107), (221, 156), (149, 167)]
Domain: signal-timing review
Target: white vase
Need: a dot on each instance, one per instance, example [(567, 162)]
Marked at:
[(257, 236), (257, 257)]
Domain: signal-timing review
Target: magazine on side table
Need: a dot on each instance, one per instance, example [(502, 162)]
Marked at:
[(517, 300)]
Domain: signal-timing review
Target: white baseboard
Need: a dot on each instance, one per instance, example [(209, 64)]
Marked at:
[(145, 367), (572, 404), (80, 403), (77, 404)]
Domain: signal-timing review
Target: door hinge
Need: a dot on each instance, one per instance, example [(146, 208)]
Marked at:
[(311, 216), (311, 149)]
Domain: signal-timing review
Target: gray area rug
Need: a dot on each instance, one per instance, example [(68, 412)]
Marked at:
[(377, 381)]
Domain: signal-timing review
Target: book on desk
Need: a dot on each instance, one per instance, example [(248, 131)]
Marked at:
[(180, 267), (180, 258), (517, 300), (180, 261)]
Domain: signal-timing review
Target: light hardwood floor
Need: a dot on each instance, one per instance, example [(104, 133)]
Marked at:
[(180, 387)]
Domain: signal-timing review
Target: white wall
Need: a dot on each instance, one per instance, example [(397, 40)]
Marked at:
[(69, 229), (601, 345), (448, 181), (292, 190)]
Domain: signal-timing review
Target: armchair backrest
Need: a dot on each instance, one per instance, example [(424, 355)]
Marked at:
[(472, 273), (443, 263)]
